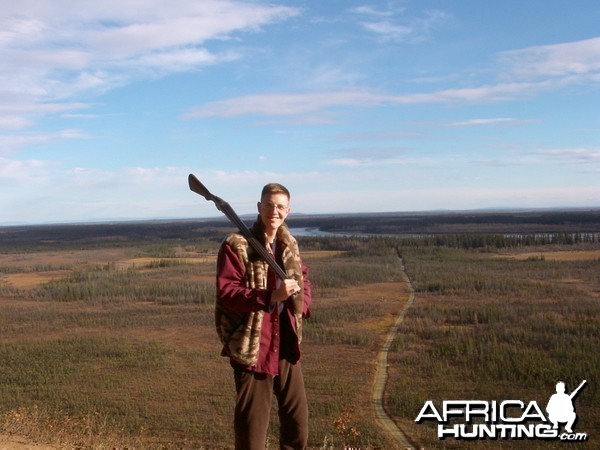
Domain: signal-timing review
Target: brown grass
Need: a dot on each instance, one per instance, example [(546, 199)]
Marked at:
[(496, 330), (142, 262), (571, 255), (147, 374), (312, 254), (31, 280), (66, 257), (182, 398)]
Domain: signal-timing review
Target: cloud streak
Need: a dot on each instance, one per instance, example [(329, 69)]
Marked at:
[(51, 52), (11, 143), (572, 61), (392, 25), (287, 104), (367, 157), (483, 122), (530, 71), (587, 156)]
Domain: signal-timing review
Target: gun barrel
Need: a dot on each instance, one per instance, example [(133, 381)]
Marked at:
[(574, 393)]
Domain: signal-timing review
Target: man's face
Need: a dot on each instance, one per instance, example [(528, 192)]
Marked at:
[(273, 209)]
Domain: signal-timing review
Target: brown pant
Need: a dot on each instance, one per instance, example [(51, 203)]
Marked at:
[(253, 408)]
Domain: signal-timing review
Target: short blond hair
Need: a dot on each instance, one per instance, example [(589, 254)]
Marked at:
[(274, 188)]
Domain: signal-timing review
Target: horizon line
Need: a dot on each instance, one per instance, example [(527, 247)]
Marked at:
[(124, 220)]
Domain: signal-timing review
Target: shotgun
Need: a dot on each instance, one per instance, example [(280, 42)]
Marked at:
[(197, 187), (574, 393)]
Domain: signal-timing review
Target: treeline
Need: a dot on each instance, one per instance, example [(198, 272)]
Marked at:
[(380, 244), (497, 241), (108, 284), (535, 221)]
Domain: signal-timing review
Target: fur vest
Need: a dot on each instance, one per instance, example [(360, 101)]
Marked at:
[(240, 332)]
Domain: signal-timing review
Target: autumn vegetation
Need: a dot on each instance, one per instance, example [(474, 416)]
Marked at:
[(107, 337)]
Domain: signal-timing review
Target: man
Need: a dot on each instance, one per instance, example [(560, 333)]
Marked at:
[(259, 322), (560, 407)]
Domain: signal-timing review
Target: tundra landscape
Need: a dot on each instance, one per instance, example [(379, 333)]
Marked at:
[(107, 337)]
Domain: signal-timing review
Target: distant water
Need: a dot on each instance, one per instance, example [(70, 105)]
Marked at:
[(315, 232)]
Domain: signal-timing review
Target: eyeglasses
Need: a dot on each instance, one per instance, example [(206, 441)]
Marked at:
[(273, 206)]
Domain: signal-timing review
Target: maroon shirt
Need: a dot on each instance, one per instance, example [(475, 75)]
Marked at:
[(278, 335)]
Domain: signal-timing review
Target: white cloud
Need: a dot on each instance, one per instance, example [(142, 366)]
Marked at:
[(389, 30), (178, 60), (47, 193), (288, 104), (447, 198), (18, 112), (131, 27), (522, 73), (38, 191), (283, 104), (19, 172), (11, 143), (573, 61), (383, 135), (371, 11), (391, 25), (54, 50), (13, 122), (571, 155), (362, 157), (486, 121), (375, 162)]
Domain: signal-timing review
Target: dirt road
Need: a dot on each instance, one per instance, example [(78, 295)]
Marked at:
[(381, 376)]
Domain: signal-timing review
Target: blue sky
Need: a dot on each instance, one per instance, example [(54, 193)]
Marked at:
[(356, 106)]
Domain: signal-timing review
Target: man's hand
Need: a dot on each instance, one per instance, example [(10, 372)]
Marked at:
[(286, 289)]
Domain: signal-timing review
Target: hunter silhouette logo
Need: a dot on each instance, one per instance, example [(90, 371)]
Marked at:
[(507, 419), (560, 407)]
